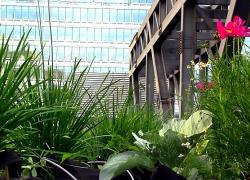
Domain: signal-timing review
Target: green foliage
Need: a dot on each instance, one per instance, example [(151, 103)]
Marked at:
[(197, 164), (197, 123), (229, 101), (62, 131), (119, 163), (114, 133), (14, 74), (172, 148), (168, 149)]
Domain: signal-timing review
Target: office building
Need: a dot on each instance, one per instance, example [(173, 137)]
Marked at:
[(82, 29)]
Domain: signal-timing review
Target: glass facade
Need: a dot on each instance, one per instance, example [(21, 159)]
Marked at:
[(82, 29)]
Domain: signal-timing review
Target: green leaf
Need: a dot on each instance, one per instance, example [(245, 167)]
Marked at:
[(119, 163), (197, 123), (33, 172), (25, 172), (66, 156), (144, 144), (30, 160)]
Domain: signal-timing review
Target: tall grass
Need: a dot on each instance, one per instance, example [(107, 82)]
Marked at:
[(62, 132), (14, 73), (229, 101), (114, 133)]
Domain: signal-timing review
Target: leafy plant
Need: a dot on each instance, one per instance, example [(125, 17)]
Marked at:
[(117, 164), (229, 101), (171, 148), (197, 123), (114, 133)]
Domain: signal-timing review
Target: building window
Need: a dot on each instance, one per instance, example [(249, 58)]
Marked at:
[(68, 34), (90, 54), (112, 35), (61, 14), (127, 17), (10, 12), (127, 35), (77, 15), (91, 34), (91, 15), (83, 53), (54, 33), (98, 15), (3, 12), (98, 35), (54, 14), (135, 16), (45, 13), (105, 54), (141, 15), (112, 54), (105, 16), (60, 33), (83, 34), (18, 12), (98, 54), (120, 15), (119, 56), (84, 15), (75, 53), (105, 35), (76, 34), (69, 14), (120, 35), (32, 34), (113, 15), (68, 53), (46, 33)]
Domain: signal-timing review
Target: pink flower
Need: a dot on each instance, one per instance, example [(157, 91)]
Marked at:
[(235, 28), (210, 85), (201, 86), (221, 29)]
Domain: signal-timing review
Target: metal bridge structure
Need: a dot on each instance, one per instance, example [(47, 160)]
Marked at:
[(174, 33)]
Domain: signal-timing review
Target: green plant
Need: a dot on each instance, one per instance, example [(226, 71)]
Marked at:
[(170, 147), (62, 132), (114, 133), (117, 164), (14, 74), (229, 100)]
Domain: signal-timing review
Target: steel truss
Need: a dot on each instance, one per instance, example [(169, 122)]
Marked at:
[(173, 34)]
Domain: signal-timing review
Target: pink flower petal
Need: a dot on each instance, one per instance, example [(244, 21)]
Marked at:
[(221, 29)]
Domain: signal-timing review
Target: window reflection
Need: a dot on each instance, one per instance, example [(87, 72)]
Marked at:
[(91, 15), (77, 15), (69, 14), (61, 14), (103, 35), (60, 53)]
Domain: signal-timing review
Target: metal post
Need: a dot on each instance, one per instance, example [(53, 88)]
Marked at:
[(188, 43)]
